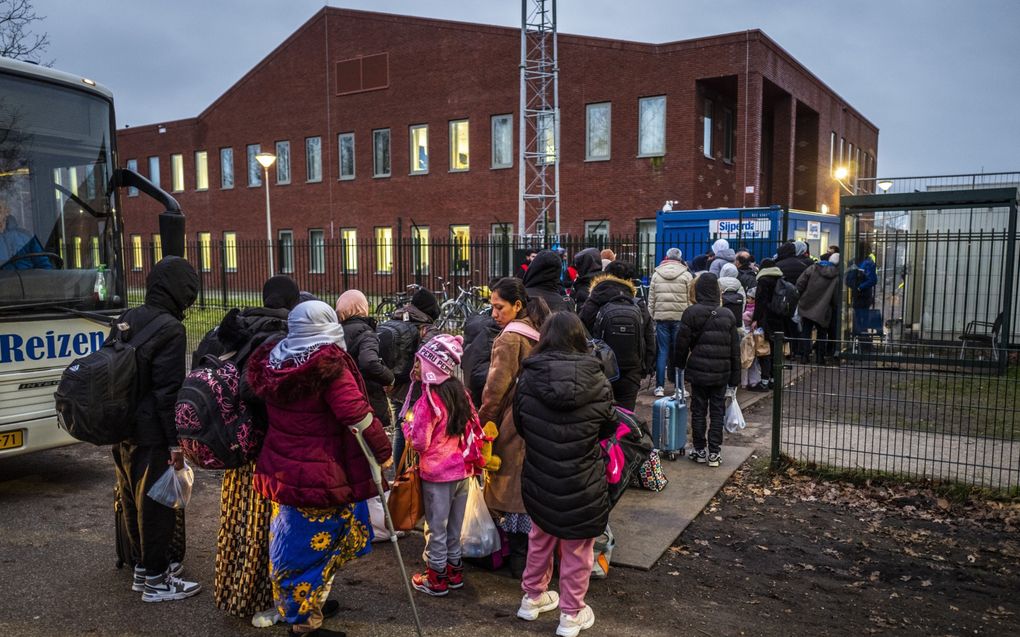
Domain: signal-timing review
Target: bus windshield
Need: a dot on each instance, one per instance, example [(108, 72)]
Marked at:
[(58, 224)]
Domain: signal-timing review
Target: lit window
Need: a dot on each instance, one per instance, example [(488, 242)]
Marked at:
[(502, 141), (136, 252), (230, 251), (706, 129), (72, 180), (226, 168), (652, 126), (384, 250), (313, 158), (345, 141), (545, 138), (132, 165), (598, 125), (460, 157), (177, 172), (729, 136), (501, 250), (381, 152), (254, 167), (596, 230), (460, 253), (77, 252), (419, 149), (94, 244), (283, 162), (316, 251), (157, 248), (205, 251), (420, 245), (832, 153), (201, 170), (154, 170), (285, 241), (349, 245), (842, 157)]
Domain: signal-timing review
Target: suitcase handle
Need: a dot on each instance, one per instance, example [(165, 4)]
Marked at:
[(678, 393)]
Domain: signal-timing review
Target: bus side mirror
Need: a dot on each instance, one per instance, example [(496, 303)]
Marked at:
[(171, 231), (171, 220)]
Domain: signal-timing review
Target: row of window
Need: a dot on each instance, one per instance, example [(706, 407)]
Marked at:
[(845, 155)]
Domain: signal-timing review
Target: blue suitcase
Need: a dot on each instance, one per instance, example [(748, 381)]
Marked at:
[(669, 422)]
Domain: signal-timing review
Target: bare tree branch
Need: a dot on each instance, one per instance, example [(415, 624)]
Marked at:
[(16, 37)]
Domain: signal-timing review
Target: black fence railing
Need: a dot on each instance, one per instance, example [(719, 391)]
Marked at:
[(915, 419)]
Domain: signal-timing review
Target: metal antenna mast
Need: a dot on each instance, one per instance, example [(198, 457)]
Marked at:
[(539, 121)]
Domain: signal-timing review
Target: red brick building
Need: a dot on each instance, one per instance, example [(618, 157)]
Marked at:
[(382, 119)]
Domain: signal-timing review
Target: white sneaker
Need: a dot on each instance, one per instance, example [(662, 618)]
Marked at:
[(530, 610), (265, 618), (659, 392), (571, 625), (168, 588), (138, 583)]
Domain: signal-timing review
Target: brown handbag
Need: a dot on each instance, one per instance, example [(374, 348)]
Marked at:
[(405, 501)]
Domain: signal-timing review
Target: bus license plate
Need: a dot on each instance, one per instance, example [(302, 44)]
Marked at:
[(12, 439)]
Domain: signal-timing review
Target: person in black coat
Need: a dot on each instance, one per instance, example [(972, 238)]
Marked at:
[(363, 346), (542, 280), (763, 317), (708, 348), (562, 408), (588, 263)]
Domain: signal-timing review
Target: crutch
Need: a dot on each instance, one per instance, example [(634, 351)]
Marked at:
[(357, 430)]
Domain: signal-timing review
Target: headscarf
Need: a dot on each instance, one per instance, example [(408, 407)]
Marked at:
[(720, 245), (350, 304), (799, 248), (280, 292), (310, 326)]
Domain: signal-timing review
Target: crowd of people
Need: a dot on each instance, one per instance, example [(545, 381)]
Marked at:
[(522, 378)]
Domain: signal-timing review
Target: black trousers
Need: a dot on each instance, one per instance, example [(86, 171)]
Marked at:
[(625, 389), (150, 525), (823, 346), (708, 402)]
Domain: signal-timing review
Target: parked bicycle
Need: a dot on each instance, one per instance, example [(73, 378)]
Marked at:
[(395, 301), (453, 313)]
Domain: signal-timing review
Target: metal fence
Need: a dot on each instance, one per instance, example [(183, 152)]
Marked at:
[(916, 419), (930, 183)]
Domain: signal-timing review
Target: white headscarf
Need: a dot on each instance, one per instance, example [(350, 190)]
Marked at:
[(310, 326)]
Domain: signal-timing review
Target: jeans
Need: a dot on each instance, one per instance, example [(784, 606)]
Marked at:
[(444, 515), (708, 402), (576, 560), (398, 431), (665, 337)]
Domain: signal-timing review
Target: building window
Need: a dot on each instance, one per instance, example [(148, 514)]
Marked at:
[(596, 230), (282, 163), (177, 172), (502, 141), (154, 170), (316, 251), (381, 152), (136, 252), (384, 250), (157, 248), (345, 141), (652, 126), (94, 245), (545, 138), (857, 162), (201, 170), (842, 144), (419, 149), (254, 167), (460, 156), (501, 250), (420, 245), (230, 251), (729, 136), (647, 230), (285, 241), (460, 248), (313, 158), (849, 162), (706, 128), (349, 246), (205, 251), (77, 252), (132, 165), (598, 124), (226, 168)]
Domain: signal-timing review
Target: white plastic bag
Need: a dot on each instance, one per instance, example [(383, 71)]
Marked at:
[(478, 536), (173, 489), (734, 420), (375, 511)]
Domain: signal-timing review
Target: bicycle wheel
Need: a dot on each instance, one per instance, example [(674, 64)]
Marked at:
[(385, 308), (446, 314)]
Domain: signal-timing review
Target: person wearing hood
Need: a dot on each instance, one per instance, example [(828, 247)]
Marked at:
[(588, 263), (563, 408), (170, 289), (702, 262), (734, 298), (668, 297), (708, 349), (542, 280), (792, 260), (764, 318), (819, 303), (363, 346), (723, 254), (613, 297), (311, 466)]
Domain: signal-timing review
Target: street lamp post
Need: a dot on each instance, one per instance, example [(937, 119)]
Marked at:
[(266, 160)]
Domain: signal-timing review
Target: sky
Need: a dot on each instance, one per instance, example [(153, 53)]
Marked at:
[(938, 77)]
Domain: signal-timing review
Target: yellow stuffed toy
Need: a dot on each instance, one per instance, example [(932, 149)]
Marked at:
[(492, 461)]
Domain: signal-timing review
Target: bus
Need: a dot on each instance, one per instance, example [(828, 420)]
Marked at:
[(61, 240)]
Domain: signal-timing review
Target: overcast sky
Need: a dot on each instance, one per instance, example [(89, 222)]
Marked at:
[(939, 78)]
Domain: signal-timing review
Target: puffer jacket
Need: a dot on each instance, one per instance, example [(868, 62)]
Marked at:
[(765, 289), (542, 280), (708, 342), (363, 346), (790, 263), (668, 293), (588, 263), (605, 289), (563, 407), (309, 457), (734, 298), (819, 295), (441, 456), (722, 257)]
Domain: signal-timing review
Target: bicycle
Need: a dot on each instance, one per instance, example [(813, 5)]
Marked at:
[(393, 302), (453, 313)]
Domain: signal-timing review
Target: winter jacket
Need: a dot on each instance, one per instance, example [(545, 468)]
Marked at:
[(563, 407), (542, 280), (171, 288), (722, 257), (508, 350), (747, 277), (668, 292), (242, 331), (708, 342), (606, 289), (819, 293), (588, 263), (309, 457), (733, 296), (440, 456), (766, 288), (863, 295), (426, 331), (363, 346), (792, 265), (479, 333)]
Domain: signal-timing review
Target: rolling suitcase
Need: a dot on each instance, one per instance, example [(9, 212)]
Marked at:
[(669, 422)]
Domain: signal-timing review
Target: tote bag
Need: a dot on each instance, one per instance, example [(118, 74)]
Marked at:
[(405, 502)]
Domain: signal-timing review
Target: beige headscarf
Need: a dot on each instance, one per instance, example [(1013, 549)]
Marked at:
[(351, 303)]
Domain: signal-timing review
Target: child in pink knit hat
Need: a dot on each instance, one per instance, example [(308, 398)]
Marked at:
[(441, 425)]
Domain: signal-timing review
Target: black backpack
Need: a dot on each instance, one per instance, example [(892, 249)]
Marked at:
[(98, 394), (620, 324), (479, 333), (784, 299), (398, 341)]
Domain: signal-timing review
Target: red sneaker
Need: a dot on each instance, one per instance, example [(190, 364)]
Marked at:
[(430, 582), (455, 575)]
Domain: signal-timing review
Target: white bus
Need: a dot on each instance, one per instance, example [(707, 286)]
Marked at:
[(61, 248)]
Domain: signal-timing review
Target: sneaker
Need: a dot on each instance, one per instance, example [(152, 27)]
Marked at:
[(659, 392), (266, 618), (167, 588), (530, 609), (571, 625), (698, 455), (760, 387), (714, 459), (138, 583), (455, 575), (431, 582)]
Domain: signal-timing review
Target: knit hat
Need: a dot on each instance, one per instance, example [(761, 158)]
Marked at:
[(439, 358), (351, 303), (280, 292), (426, 302), (675, 254)]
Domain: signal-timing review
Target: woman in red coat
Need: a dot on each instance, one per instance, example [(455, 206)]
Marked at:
[(311, 466)]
